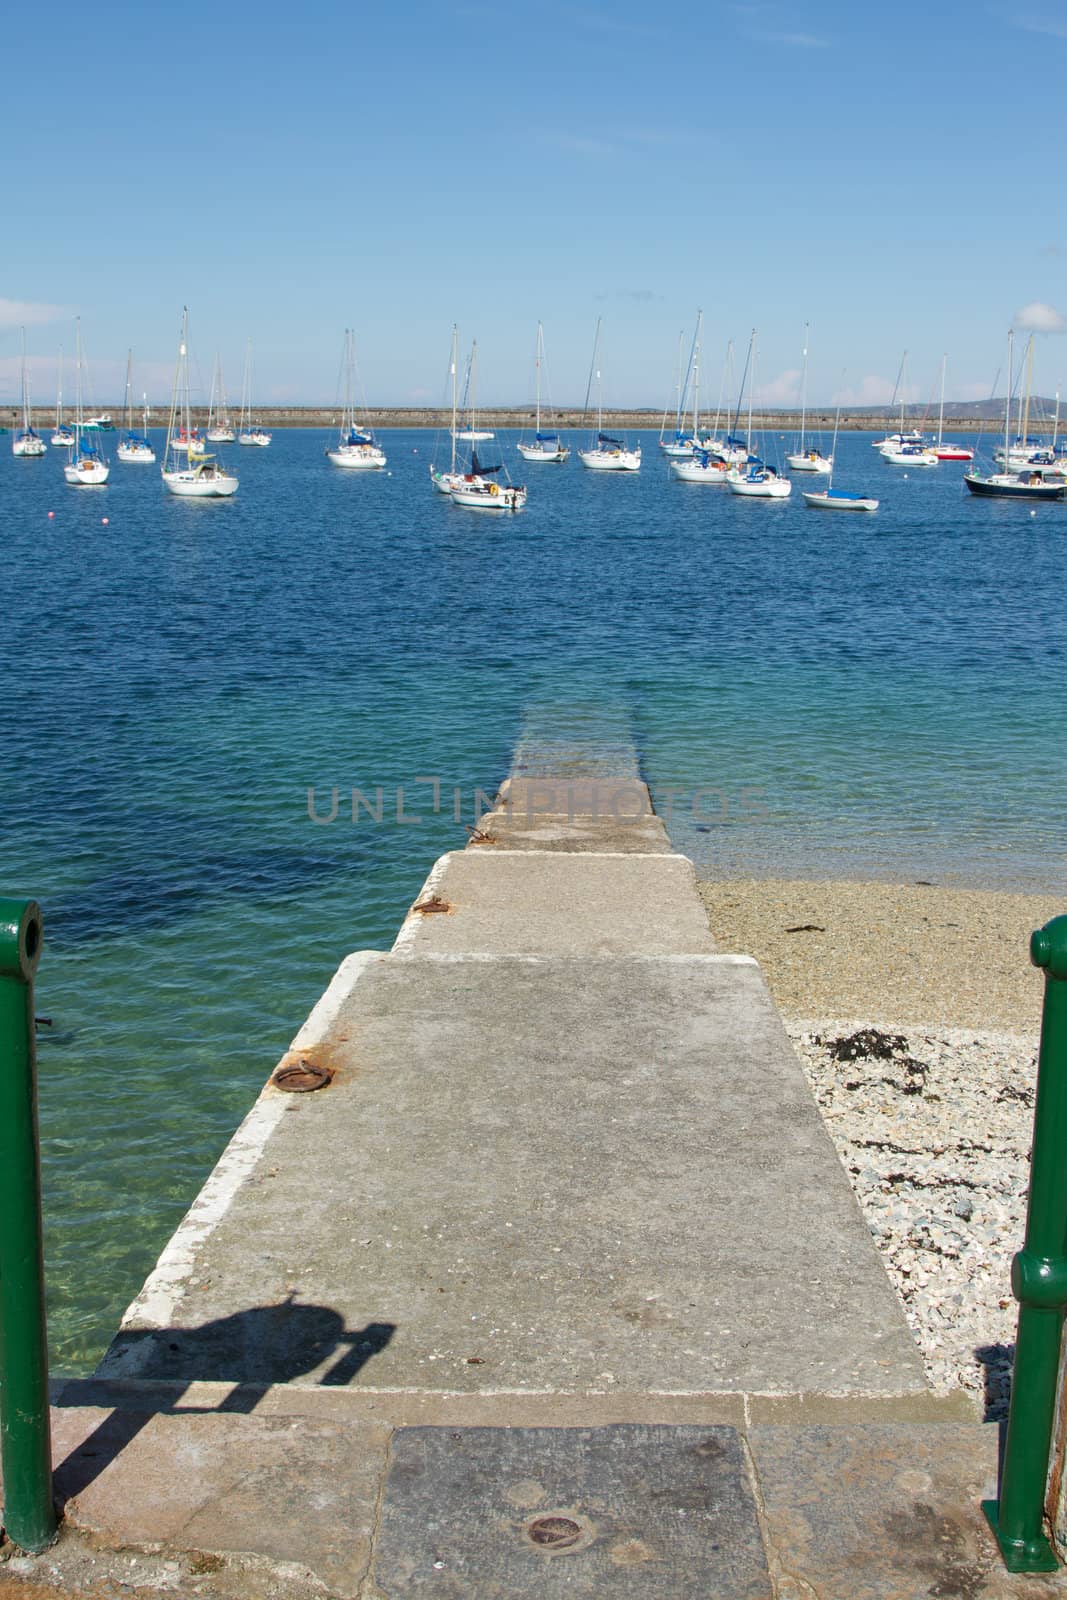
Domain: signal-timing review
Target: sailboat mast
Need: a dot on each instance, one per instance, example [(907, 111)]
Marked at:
[(1007, 402), (537, 372), (78, 384), (59, 392), (25, 389), (129, 395), (696, 379), (744, 375), (751, 386), (941, 408), (455, 356), (804, 389), (903, 390), (593, 369), (1029, 381)]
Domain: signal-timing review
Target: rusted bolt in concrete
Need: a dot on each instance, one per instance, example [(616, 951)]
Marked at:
[(301, 1077), (554, 1532)]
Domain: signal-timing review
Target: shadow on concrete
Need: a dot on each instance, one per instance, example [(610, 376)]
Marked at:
[(996, 1361), (251, 1349)]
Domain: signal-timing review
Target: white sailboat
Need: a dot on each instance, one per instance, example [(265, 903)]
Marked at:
[(478, 488), (86, 466), (202, 477), (26, 441), (754, 479), (250, 432), (134, 446), (807, 460), (63, 433), (220, 430), (904, 448), (605, 453), (701, 465), (831, 499), (681, 446), (356, 446), (472, 434), (543, 446), (445, 482)]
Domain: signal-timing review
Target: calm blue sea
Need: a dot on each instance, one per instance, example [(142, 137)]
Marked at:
[(825, 695)]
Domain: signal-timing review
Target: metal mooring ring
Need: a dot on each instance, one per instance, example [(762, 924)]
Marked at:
[(301, 1077)]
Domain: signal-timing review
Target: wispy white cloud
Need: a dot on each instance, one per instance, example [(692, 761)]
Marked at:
[(1039, 318), (1051, 27), (797, 41), (874, 391), (577, 144), (784, 390), (29, 313)]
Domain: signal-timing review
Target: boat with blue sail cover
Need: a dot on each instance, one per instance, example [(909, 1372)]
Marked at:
[(356, 446), (134, 446), (544, 446), (605, 453), (831, 499)]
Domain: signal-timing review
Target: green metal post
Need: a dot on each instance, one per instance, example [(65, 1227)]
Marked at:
[(1039, 1283), (29, 1517)]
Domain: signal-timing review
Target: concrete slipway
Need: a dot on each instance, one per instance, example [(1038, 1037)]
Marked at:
[(556, 1286)]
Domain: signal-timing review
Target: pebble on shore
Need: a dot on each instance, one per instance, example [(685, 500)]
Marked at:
[(929, 1101)]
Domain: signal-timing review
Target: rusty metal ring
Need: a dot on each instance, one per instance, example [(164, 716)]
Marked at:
[(301, 1077)]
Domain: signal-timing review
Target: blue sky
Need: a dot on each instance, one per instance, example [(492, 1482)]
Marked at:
[(889, 175)]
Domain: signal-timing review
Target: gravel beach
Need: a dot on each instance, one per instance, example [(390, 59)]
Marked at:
[(915, 1012)]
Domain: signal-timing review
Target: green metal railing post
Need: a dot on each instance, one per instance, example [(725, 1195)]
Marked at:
[(1039, 1283), (29, 1517)]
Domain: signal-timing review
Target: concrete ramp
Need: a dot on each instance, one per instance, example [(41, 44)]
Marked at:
[(532, 1174)]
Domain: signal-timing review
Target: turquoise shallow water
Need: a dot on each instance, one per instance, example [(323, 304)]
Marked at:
[(826, 695)]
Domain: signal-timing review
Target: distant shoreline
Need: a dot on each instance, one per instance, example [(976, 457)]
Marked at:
[(520, 417)]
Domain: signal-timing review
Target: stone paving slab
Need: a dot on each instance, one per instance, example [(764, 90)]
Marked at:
[(541, 903), (296, 1490), (535, 1175), (510, 830), (885, 1512), (629, 1513), (618, 798)]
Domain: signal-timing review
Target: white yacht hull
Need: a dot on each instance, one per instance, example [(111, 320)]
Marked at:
[(28, 447), (221, 436), (196, 484), (357, 457), (824, 500), (810, 461), (258, 438), (611, 460), (87, 473), (902, 458), (696, 471), (63, 438), (488, 497), (536, 452), (445, 482), (136, 452), (760, 488)]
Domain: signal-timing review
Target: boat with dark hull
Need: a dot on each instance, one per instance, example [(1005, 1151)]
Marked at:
[(1016, 485)]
